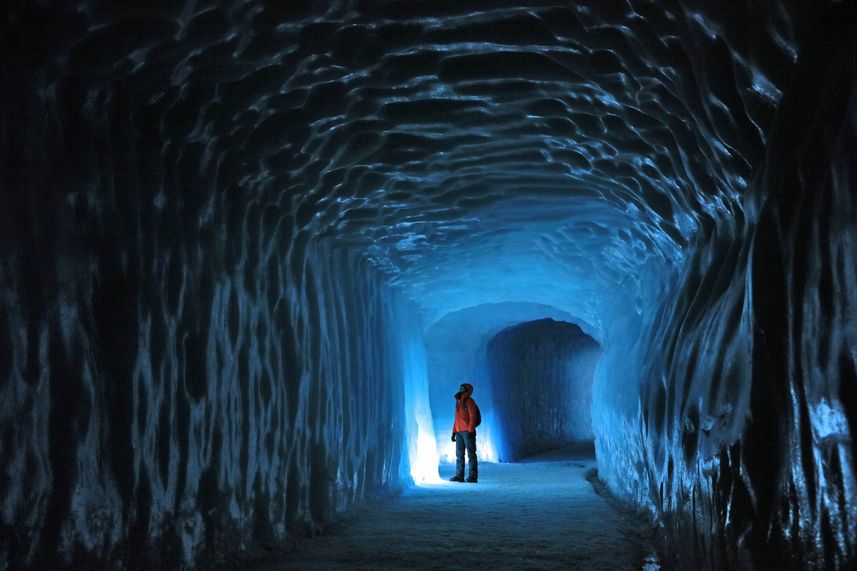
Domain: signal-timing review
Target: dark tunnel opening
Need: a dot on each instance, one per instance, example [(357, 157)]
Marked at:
[(541, 374), (249, 249)]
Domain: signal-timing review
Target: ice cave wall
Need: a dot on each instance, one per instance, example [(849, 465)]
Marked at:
[(748, 371), (541, 375), (803, 285), (183, 371)]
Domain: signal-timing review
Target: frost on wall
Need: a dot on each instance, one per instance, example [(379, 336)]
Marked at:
[(541, 375)]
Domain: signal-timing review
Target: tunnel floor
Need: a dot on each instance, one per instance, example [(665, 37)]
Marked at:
[(540, 513)]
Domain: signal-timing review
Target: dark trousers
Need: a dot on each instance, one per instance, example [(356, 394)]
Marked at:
[(466, 440)]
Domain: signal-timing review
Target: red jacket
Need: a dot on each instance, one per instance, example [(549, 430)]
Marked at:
[(464, 406)]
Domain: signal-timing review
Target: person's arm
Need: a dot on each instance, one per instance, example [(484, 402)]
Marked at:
[(474, 412)]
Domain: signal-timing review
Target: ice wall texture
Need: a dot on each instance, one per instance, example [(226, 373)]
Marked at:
[(594, 158), (750, 414), (215, 403), (183, 367), (541, 375), (804, 394)]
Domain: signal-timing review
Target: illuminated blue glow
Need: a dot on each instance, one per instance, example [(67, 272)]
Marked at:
[(422, 454), (457, 352)]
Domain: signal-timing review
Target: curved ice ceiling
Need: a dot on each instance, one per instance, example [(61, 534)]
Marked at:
[(505, 153), (478, 152)]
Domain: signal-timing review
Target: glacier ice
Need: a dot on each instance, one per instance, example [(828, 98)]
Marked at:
[(541, 373), (249, 248)]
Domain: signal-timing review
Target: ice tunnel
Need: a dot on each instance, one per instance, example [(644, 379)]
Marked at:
[(542, 373), (249, 247)]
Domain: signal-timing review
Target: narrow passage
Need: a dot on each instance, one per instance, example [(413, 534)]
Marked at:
[(541, 513)]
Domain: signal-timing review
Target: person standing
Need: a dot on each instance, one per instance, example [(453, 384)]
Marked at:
[(467, 418)]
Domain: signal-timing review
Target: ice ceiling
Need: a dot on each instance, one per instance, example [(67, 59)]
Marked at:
[(495, 152), (477, 152)]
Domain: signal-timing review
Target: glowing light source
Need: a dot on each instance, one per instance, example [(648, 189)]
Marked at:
[(422, 453), (424, 463)]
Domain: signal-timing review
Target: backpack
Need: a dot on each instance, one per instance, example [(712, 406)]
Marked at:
[(477, 417)]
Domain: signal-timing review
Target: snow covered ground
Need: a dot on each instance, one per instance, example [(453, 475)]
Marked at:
[(541, 513)]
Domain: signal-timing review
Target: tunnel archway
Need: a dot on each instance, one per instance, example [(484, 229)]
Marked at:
[(541, 374), (234, 231), (457, 350)]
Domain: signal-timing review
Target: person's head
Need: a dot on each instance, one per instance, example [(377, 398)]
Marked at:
[(465, 389)]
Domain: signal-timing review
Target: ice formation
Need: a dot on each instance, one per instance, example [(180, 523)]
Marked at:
[(541, 375), (248, 246)]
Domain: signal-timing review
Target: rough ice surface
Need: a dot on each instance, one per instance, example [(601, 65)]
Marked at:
[(542, 379), (249, 248)]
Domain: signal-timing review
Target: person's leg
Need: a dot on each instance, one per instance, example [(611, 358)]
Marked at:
[(459, 455), (473, 474)]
